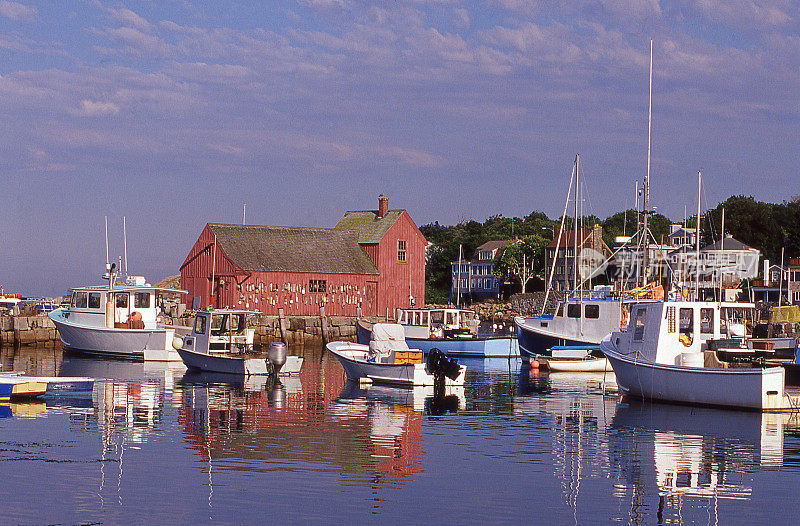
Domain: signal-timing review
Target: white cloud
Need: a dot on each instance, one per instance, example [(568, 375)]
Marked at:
[(129, 18), (746, 13), (90, 108), (17, 11)]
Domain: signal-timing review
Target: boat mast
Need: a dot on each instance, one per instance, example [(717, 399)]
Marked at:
[(646, 187), (722, 248), (575, 229), (697, 241)]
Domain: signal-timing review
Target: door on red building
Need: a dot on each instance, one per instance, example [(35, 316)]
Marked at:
[(371, 301)]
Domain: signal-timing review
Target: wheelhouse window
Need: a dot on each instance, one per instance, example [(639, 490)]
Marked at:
[(707, 321), (686, 321), (425, 318), (200, 325), (451, 318), (94, 300), (593, 311), (401, 250), (317, 285), (121, 300), (638, 325), (81, 300), (574, 310), (141, 300), (437, 316)]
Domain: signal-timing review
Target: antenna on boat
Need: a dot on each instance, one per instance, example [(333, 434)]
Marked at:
[(125, 244), (646, 186), (108, 266)]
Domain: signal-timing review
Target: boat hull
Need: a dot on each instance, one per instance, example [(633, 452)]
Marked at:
[(120, 343), (754, 389), (224, 364), (398, 374), (591, 365), (533, 342), (462, 347)]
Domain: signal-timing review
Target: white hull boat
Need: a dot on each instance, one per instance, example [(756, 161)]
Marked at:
[(119, 342), (253, 364), (576, 365), (757, 388), (668, 353), (219, 342), (118, 320), (354, 358)]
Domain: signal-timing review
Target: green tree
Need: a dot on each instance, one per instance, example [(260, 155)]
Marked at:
[(521, 260)]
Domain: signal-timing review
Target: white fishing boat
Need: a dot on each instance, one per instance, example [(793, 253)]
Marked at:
[(669, 352), (575, 359), (388, 359), (120, 320), (220, 342)]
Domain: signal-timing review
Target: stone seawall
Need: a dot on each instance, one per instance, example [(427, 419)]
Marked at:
[(27, 330), (295, 330)]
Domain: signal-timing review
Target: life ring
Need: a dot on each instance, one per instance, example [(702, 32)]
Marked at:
[(432, 336)]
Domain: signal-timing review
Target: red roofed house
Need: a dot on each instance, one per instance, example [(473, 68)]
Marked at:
[(372, 260)]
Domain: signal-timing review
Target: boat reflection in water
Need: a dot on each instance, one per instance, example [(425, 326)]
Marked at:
[(395, 415), (578, 408), (696, 457)]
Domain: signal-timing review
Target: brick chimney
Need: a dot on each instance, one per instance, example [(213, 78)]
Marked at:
[(383, 206)]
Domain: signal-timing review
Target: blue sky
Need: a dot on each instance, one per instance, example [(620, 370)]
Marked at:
[(175, 113)]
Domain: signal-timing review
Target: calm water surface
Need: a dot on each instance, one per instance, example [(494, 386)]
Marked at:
[(157, 443)]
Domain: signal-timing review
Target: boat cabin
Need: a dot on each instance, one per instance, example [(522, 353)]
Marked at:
[(438, 323), (666, 332), (220, 331), (123, 307)]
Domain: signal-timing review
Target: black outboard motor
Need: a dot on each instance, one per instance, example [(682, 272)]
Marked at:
[(440, 366)]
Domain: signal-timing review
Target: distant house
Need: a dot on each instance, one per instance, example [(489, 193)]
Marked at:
[(475, 279), (780, 281), (397, 248), (680, 236), (372, 261), (563, 251)]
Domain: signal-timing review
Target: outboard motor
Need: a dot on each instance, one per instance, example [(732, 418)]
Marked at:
[(440, 366), (276, 356)]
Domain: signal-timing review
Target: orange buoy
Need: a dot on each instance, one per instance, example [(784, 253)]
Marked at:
[(534, 364)]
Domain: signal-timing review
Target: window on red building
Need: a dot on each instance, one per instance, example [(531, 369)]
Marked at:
[(401, 250)]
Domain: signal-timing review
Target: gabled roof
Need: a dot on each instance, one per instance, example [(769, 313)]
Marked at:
[(682, 232), (291, 249), (728, 244), (490, 246), (371, 228), (568, 239), (494, 245)]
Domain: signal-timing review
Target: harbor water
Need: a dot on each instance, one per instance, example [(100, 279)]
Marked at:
[(154, 442)]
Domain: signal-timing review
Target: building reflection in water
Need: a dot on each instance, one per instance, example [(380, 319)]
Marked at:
[(369, 435)]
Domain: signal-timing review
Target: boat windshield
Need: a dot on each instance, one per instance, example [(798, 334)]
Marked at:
[(437, 316)]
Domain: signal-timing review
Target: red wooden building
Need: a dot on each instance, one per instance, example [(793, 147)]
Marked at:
[(373, 260), (397, 248)]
